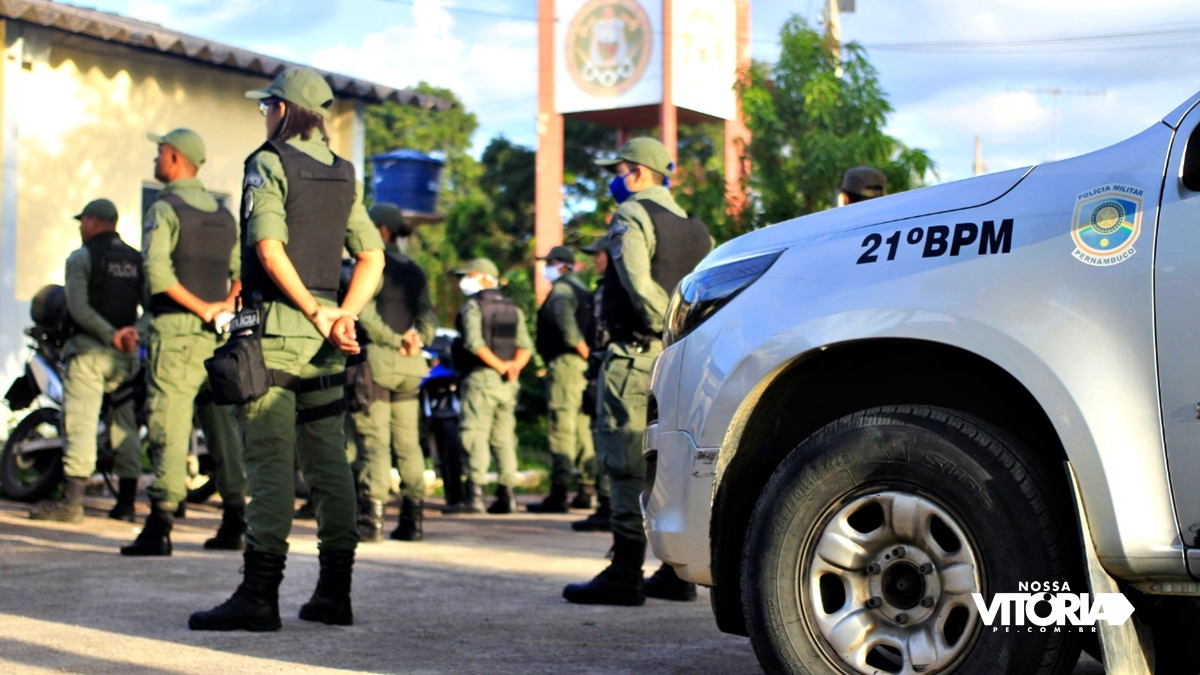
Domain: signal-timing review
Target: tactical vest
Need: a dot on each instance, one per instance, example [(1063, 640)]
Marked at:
[(500, 322), (403, 283), (682, 244), (319, 199), (201, 255), (115, 286), (551, 343)]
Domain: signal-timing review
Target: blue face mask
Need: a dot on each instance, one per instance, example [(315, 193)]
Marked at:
[(616, 186)]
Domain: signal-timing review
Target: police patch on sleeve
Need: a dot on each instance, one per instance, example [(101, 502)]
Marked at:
[(616, 239), (254, 180), (148, 228)]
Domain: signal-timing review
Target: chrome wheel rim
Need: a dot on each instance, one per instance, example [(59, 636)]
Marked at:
[(888, 583)]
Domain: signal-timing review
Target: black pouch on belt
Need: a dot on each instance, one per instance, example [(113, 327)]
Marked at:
[(237, 372), (360, 386)]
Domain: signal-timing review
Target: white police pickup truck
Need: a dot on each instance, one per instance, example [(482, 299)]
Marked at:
[(949, 430)]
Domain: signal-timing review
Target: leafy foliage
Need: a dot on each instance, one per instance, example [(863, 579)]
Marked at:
[(811, 117)]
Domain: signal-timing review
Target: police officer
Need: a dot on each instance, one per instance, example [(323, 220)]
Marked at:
[(300, 205), (652, 245), (192, 267), (563, 323), (599, 520), (493, 347), (397, 324), (104, 290), (860, 184)]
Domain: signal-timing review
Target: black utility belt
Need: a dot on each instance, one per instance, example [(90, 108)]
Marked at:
[(304, 386)]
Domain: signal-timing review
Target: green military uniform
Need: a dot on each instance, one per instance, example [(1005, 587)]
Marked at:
[(297, 193), (96, 368), (634, 305), (569, 429), (179, 342), (391, 424), (292, 345), (489, 403), (625, 373)]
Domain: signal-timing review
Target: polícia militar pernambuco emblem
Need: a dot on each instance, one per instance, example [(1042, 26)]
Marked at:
[(1107, 222), (609, 44)]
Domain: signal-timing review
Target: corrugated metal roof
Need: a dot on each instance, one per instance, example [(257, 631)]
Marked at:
[(151, 36)]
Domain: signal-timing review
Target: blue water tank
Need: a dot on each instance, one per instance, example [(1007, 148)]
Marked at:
[(408, 179)]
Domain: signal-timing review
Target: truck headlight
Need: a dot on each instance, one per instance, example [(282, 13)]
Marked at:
[(702, 293)]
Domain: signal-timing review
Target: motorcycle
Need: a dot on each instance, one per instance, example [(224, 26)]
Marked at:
[(31, 463), (440, 410)]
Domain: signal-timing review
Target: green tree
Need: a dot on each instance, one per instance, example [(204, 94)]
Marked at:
[(441, 133), (811, 117)]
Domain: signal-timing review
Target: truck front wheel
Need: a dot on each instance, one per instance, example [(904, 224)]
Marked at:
[(870, 539)]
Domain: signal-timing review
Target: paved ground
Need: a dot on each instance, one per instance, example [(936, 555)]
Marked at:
[(480, 595)]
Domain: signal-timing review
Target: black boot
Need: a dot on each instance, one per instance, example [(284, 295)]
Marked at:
[(155, 537), (472, 501), (666, 585), (66, 509), (412, 521), (600, 521), (330, 602), (254, 606), (229, 534), (619, 584), (370, 521), (505, 501), (555, 502), (126, 494), (585, 498)]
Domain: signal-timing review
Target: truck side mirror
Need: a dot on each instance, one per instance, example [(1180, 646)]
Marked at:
[(1191, 162)]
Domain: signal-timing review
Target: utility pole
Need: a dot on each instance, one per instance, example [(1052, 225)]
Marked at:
[(833, 27), (980, 167), (1056, 92)]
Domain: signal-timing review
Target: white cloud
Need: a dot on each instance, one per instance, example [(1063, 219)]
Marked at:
[(493, 69)]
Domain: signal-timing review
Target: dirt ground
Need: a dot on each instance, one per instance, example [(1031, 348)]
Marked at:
[(481, 594)]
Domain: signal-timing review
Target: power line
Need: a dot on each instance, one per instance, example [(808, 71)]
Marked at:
[(1149, 39), (1160, 38)]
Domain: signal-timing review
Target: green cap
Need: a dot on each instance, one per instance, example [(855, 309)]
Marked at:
[(187, 142), (303, 86), (560, 254), (481, 265), (600, 244), (645, 151), (388, 215), (864, 182), (101, 209)]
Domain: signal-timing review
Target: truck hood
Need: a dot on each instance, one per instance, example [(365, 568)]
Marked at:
[(963, 194)]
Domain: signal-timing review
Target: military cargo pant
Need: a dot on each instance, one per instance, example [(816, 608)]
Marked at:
[(91, 375), (390, 428), (568, 428), (489, 405), (272, 440), (178, 346), (620, 421)]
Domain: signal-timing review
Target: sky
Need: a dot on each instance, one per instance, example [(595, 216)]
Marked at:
[(953, 70)]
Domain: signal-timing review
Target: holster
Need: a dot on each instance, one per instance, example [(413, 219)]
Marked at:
[(237, 371), (360, 387)]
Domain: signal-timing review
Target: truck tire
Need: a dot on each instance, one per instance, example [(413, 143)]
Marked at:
[(30, 476), (867, 542)]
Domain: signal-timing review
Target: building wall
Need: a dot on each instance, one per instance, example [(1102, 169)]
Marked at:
[(74, 120)]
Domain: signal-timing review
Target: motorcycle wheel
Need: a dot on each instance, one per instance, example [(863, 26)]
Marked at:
[(30, 476)]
